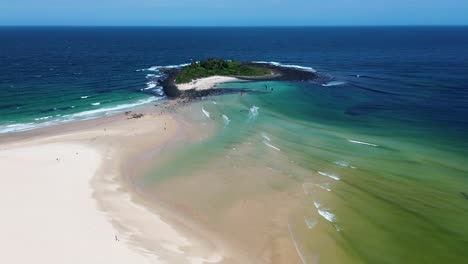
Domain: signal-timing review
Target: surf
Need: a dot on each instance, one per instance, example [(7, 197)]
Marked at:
[(278, 64), (333, 83), (363, 143)]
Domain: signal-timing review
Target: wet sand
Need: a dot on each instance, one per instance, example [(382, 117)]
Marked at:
[(217, 213), (67, 195)]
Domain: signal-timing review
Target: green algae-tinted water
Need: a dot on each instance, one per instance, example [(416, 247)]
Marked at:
[(373, 187), (401, 88)]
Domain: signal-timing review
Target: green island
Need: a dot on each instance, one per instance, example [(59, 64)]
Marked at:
[(212, 67)]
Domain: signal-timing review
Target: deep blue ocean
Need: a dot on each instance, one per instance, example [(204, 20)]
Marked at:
[(391, 101), (418, 71)]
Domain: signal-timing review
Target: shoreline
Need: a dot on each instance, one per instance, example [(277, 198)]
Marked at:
[(206, 86), (114, 140), (127, 144), (206, 83)]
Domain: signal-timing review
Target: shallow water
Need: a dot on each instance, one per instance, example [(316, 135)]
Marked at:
[(354, 189), (365, 165)]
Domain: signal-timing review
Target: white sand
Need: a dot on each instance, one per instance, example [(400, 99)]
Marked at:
[(206, 83), (48, 214), (70, 210)]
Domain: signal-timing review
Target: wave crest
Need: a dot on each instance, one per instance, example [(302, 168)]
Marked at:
[(278, 64)]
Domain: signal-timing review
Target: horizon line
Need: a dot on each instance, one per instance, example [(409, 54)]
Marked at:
[(244, 26)]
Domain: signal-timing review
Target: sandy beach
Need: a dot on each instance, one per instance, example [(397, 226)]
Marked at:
[(206, 83), (70, 194), (64, 198)]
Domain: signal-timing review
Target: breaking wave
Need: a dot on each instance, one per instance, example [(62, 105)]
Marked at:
[(362, 143), (330, 217), (333, 83), (330, 175), (302, 68), (226, 120), (85, 115), (206, 113), (253, 112), (270, 145)]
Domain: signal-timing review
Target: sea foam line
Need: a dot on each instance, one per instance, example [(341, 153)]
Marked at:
[(296, 245), (324, 187), (342, 163), (333, 83), (157, 68), (327, 215), (330, 217), (85, 115), (206, 113), (331, 175), (362, 143), (274, 63), (265, 137), (226, 120), (270, 145)]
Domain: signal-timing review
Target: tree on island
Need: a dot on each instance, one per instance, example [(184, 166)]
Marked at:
[(212, 67)]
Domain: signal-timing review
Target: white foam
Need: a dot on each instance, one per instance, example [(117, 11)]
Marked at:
[(253, 112), (84, 97), (333, 83), (42, 118), (317, 205), (310, 223), (113, 109), (324, 186), (226, 120), (150, 85), (302, 68), (342, 163), (98, 103), (151, 76), (85, 115), (331, 175), (206, 113), (362, 143), (270, 145), (17, 127), (265, 137), (324, 213), (327, 215), (157, 68)]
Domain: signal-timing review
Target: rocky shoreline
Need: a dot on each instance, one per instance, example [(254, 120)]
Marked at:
[(278, 73)]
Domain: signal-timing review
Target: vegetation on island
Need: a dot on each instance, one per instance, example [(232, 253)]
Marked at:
[(212, 67)]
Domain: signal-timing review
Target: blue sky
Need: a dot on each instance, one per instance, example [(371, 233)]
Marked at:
[(233, 13)]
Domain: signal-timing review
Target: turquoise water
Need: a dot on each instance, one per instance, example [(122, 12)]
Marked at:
[(365, 165), (372, 188)]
